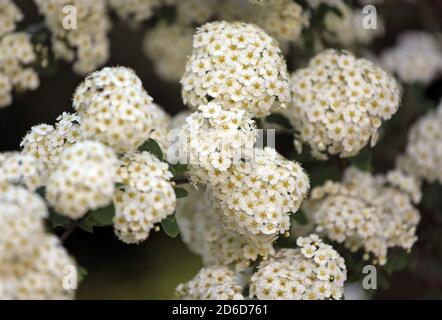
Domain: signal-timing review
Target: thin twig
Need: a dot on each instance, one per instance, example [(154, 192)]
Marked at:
[(68, 232)]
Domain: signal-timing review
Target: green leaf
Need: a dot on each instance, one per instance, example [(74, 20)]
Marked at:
[(87, 224), (104, 216), (153, 147), (101, 217), (178, 169), (58, 220), (81, 273), (170, 226), (279, 119), (300, 218), (180, 192), (363, 161)]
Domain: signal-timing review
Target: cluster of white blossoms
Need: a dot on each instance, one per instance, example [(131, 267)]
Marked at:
[(39, 275), (314, 271), (169, 60), (46, 142), (31, 261), (146, 197), (16, 74), (83, 179), (21, 215), (284, 19), (162, 122), (416, 58), (215, 139), (372, 213), (348, 29), (114, 108), (195, 11), (21, 169), (134, 11), (16, 55), (339, 103), (211, 283), (255, 199), (423, 155), (206, 236), (10, 15), (238, 66), (86, 43)]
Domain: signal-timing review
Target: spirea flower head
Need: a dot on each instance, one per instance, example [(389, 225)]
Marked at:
[(256, 199), (314, 271), (416, 58), (46, 142), (114, 108), (212, 283), (146, 198), (21, 222), (83, 179), (216, 139), (162, 122), (347, 28), (39, 275), (16, 55), (205, 235), (134, 11), (86, 45), (369, 213), (168, 46), (10, 15), (22, 169), (238, 66), (423, 156), (195, 11), (284, 19), (339, 103)]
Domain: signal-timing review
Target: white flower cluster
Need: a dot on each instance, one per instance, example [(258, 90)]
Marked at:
[(216, 139), (339, 103), (21, 215), (195, 11), (162, 122), (348, 28), (21, 169), (16, 74), (205, 235), (31, 261), (134, 11), (86, 45), (83, 179), (238, 66), (284, 19), (256, 199), (372, 213), (416, 58), (45, 142), (40, 275), (169, 60), (315, 271), (146, 198), (423, 156), (213, 283), (10, 15), (114, 108)]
